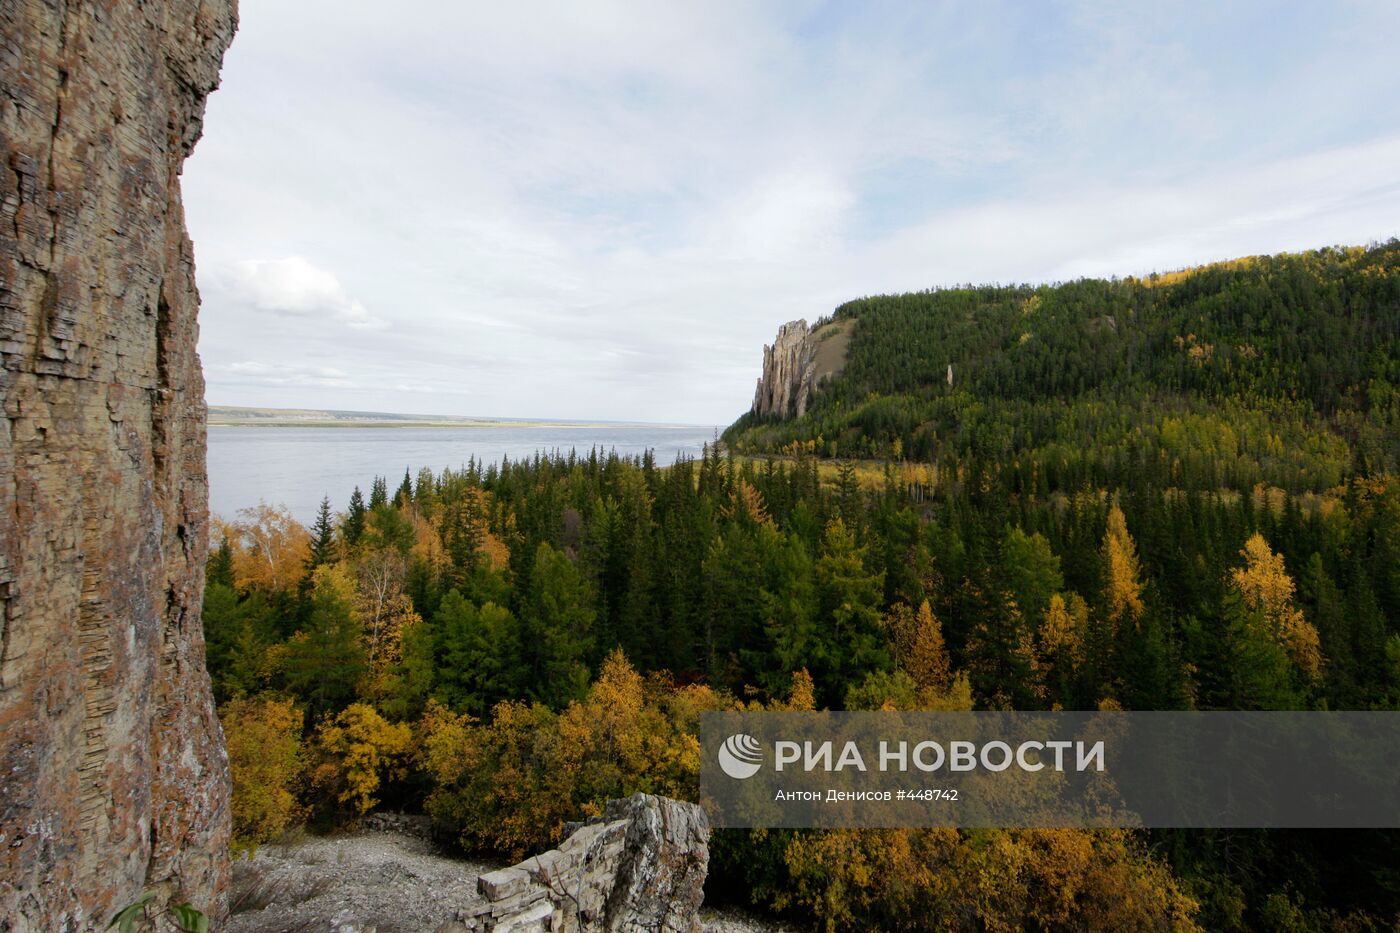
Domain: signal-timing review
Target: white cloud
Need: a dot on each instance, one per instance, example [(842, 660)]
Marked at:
[(261, 373), (605, 209), (791, 212), (1341, 196), (294, 286)]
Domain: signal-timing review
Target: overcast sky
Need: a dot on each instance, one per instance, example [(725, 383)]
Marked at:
[(603, 209)]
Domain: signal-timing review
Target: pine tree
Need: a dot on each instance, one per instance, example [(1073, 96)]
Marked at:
[(403, 496), (425, 496), (387, 527), (322, 537), (849, 597), (1032, 571), (1253, 669), (478, 651), (354, 525), (1000, 647), (558, 628), (730, 578), (324, 661), (787, 602), (220, 569), (848, 496)]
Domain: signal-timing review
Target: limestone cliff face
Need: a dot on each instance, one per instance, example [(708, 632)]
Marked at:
[(795, 366), (112, 774)]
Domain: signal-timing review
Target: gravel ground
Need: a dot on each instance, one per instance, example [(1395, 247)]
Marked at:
[(729, 920), (391, 882)]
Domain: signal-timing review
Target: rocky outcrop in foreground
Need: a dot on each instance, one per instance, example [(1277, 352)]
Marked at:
[(389, 877), (639, 867), (796, 365), (113, 778)]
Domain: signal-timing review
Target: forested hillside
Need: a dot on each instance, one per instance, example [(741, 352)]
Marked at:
[(1275, 369), (1167, 494)]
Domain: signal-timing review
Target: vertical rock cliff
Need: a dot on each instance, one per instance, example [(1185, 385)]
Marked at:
[(796, 365), (112, 774)]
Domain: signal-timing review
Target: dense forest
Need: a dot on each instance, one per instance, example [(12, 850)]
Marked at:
[(1170, 493), (1281, 370)]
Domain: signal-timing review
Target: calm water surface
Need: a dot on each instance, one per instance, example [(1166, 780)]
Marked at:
[(295, 467)]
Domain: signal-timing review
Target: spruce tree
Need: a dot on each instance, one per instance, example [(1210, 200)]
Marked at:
[(220, 568), (558, 628), (322, 537), (354, 525), (324, 662), (404, 494)]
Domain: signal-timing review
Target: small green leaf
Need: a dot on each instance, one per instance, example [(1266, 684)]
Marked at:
[(125, 919), (190, 919)]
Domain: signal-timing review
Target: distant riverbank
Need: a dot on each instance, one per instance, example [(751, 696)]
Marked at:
[(294, 463), (224, 416)]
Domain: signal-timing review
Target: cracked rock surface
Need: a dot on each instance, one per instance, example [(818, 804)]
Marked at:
[(640, 866), (112, 775), (796, 365)]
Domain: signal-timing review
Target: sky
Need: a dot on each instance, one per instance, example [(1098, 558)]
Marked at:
[(603, 209)]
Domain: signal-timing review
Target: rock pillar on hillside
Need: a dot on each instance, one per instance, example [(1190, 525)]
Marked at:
[(788, 369), (798, 364)]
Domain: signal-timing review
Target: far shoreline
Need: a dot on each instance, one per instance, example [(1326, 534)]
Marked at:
[(562, 425), (229, 416)]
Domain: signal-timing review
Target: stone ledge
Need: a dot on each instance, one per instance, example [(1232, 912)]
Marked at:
[(639, 866)]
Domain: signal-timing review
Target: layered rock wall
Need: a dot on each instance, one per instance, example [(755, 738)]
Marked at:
[(788, 365), (639, 867), (112, 775), (796, 365)]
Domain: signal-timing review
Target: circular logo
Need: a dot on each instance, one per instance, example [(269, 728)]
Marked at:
[(740, 756)]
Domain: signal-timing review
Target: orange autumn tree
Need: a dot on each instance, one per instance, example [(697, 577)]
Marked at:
[(1122, 583), (746, 504), (270, 548), (1061, 643), (427, 548), (923, 678), (380, 602), (384, 634), (1062, 634), (266, 763), (511, 783), (939, 879), (1266, 586), (487, 781), (359, 752), (927, 656)]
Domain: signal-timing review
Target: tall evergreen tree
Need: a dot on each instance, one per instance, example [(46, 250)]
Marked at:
[(354, 525), (403, 496), (558, 628), (220, 568), (478, 651), (324, 661), (322, 537)]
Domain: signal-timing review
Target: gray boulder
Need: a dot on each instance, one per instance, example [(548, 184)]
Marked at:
[(639, 867)]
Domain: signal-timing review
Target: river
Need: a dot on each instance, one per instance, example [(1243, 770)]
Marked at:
[(296, 466)]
